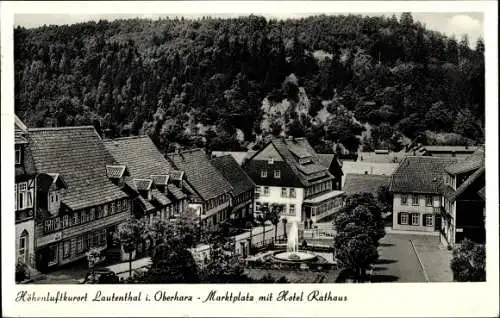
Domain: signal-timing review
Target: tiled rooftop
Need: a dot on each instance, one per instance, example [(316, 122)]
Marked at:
[(79, 156), (233, 173), (206, 180)]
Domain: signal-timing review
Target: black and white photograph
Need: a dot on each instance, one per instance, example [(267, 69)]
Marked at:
[(249, 148)]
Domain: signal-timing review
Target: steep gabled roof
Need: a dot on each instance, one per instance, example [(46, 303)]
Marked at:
[(291, 150), (160, 197), (420, 174), (177, 193), (461, 189), (20, 131), (482, 193), (200, 173), (326, 159), (359, 183), (79, 156), (233, 173), (140, 155), (472, 162)]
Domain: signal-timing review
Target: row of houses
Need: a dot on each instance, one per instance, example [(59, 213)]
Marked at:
[(436, 189), (73, 189)]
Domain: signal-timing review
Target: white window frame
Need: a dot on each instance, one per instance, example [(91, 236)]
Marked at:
[(19, 155), (23, 243), (24, 196), (413, 196), (413, 215), (428, 200), (404, 199), (277, 174), (15, 199), (405, 215), (284, 192), (263, 173), (429, 217), (266, 193)]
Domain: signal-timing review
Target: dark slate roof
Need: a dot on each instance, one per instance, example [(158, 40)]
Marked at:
[(160, 197), (20, 131), (482, 193), (239, 156), (233, 173), (291, 151), (79, 156), (359, 183), (420, 174), (325, 159), (146, 204), (27, 169), (45, 181), (472, 162), (140, 155), (475, 176), (200, 173), (463, 149), (177, 193)]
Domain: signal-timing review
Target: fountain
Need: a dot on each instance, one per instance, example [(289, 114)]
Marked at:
[(292, 253)]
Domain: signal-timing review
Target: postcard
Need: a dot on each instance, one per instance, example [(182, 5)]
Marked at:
[(253, 158)]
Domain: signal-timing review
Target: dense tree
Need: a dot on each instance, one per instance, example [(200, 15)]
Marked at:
[(167, 76), (469, 262), (359, 227)]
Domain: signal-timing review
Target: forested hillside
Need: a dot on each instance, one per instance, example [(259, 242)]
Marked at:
[(222, 83)]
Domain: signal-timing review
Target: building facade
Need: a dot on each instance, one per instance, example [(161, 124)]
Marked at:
[(210, 193), (24, 202), (242, 203), (463, 201), (416, 186), (79, 203), (288, 173), (441, 195), (155, 187)]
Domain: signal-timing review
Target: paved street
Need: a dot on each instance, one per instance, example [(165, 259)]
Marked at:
[(398, 261), (75, 272)]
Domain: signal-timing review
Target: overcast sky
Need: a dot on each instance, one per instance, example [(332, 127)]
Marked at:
[(447, 23)]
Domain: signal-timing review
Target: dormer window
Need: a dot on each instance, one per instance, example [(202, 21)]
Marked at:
[(277, 174), (305, 161), (263, 173), (18, 155)]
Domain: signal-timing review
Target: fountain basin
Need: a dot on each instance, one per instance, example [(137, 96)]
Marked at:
[(295, 257)]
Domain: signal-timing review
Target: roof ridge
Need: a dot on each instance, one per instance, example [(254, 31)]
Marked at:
[(61, 128), (126, 138)]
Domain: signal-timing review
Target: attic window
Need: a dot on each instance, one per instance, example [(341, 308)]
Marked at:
[(115, 171), (277, 174), (304, 161), (18, 155), (270, 161)]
